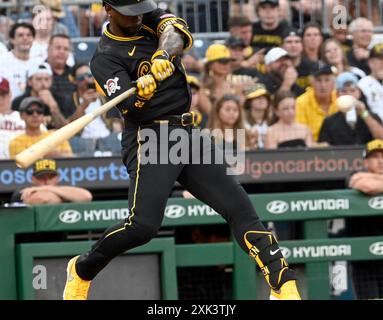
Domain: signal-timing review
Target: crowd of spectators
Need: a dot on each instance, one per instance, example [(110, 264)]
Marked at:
[(276, 82), (272, 77)]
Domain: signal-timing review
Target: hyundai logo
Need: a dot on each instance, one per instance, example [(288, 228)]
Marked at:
[(277, 207), (286, 252), (70, 216), (174, 211), (376, 203), (377, 248)]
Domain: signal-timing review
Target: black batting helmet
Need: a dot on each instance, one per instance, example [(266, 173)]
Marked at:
[(132, 7)]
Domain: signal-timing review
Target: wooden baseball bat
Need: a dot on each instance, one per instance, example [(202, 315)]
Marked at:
[(36, 151)]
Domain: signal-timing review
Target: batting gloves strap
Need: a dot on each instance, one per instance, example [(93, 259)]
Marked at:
[(146, 86), (162, 68)]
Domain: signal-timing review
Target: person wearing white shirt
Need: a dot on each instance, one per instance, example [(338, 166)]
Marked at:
[(371, 85), (15, 63), (11, 123), (89, 100), (3, 49)]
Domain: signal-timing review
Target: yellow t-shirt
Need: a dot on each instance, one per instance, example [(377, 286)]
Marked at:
[(309, 112), (23, 141)]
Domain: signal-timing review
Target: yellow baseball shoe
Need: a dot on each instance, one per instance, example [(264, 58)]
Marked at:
[(288, 291), (75, 287)]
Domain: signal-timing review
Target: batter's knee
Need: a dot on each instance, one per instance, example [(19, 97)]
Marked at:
[(144, 232)]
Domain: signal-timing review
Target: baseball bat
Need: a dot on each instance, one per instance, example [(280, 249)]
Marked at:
[(36, 151)]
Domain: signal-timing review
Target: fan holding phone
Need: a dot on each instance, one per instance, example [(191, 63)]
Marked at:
[(87, 99)]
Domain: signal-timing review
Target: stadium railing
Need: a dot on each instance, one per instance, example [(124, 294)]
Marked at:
[(208, 16)]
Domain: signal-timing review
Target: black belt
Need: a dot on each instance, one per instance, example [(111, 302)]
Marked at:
[(184, 120)]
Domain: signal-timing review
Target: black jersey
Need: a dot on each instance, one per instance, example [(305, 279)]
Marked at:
[(267, 38), (118, 61)]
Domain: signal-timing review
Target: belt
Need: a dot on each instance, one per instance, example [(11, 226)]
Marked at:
[(184, 120)]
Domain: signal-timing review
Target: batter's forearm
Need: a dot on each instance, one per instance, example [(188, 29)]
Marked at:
[(171, 41)]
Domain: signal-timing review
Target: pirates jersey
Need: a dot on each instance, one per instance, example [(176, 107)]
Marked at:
[(119, 61), (267, 38)]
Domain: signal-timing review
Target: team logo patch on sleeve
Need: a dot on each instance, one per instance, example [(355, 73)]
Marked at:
[(112, 86)]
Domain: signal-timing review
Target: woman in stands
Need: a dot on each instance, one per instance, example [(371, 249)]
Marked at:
[(332, 53), (286, 132), (224, 122), (258, 113)]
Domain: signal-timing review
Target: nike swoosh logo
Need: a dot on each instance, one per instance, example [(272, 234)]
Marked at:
[(131, 53), (273, 252)]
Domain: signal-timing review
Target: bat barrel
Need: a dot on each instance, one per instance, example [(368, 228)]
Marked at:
[(27, 157)]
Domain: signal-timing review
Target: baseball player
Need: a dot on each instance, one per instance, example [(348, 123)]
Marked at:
[(141, 46)]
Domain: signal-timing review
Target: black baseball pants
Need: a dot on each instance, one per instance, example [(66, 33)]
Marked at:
[(150, 187)]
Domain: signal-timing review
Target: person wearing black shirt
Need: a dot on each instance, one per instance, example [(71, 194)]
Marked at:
[(292, 43), (267, 32), (281, 74), (362, 31), (357, 126)]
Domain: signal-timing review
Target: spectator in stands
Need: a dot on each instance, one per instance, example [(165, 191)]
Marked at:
[(332, 54), (362, 31), (45, 187), (367, 275), (317, 102), (15, 63), (281, 74), (5, 25), (86, 100), (292, 43), (43, 22), (58, 52), (312, 38), (200, 103), (257, 108), (57, 10), (217, 68), (39, 86), (357, 126), (224, 122), (339, 32), (11, 124), (286, 132), (192, 63), (267, 32), (239, 7), (371, 85), (237, 46), (32, 112), (242, 27)]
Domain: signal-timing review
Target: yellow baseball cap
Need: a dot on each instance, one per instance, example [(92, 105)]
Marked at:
[(372, 146), (256, 91), (216, 52)]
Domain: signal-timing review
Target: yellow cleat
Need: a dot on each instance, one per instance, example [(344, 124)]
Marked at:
[(288, 291), (75, 287)]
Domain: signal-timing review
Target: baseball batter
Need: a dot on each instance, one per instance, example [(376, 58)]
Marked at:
[(141, 47)]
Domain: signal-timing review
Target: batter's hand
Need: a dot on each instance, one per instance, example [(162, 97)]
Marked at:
[(162, 68), (146, 86)]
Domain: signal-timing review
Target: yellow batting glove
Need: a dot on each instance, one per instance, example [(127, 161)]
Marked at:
[(162, 68), (146, 86)]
